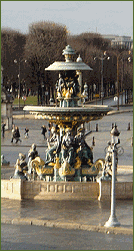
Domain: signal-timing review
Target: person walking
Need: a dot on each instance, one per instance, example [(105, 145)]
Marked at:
[(17, 134), (26, 133), (49, 129), (3, 129), (13, 129), (44, 130)]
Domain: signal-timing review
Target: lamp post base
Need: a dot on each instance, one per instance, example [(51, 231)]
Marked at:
[(112, 222)]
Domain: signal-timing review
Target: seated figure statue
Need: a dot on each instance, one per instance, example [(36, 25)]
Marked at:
[(23, 163), (32, 154), (20, 167), (83, 150), (68, 147), (53, 146), (3, 161)]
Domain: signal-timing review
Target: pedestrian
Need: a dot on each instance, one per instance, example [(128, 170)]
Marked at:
[(3, 129), (49, 129), (17, 134), (13, 129), (26, 133), (44, 130)]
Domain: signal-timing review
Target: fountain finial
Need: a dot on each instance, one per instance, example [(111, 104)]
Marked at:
[(68, 52), (79, 59)]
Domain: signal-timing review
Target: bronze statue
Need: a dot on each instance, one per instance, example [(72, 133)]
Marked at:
[(67, 147), (53, 146), (84, 152), (32, 154), (20, 168)]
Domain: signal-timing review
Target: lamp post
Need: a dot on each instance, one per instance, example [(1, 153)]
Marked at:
[(19, 63), (113, 222), (79, 73), (118, 56), (122, 76), (118, 82), (102, 64)]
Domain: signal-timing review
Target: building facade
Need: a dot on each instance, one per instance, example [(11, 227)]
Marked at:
[(122, 41)]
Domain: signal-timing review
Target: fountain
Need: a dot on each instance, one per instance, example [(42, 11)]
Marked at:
[(68, 169), (68, 157)]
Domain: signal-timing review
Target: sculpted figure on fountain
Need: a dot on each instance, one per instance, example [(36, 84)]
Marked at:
[(32, 154), (60, 85), (53, 146), (84, 152), (20, 167), (68, 147), (67, 86)]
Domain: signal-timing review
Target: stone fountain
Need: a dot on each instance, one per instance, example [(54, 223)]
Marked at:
[(68, 157)]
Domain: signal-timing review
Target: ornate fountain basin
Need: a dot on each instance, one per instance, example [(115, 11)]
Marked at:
[(69, 114)]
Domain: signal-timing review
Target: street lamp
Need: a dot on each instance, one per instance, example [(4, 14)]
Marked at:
[(19, 62), (113, 222), (118, 56), (102, 59)]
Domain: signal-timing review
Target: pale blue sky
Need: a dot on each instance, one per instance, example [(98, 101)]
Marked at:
[(105, 17)]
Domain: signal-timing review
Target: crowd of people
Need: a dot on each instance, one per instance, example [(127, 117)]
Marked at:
[(15, 133)]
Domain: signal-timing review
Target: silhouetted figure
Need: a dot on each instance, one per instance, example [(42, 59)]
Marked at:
[(13, 129), (3, 129), (26, 132), (44, 130), (17, 134), (49, 129)]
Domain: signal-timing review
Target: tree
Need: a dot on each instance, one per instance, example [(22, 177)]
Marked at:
[(12, 47), (90, 45), (44, 45), (125, 67)]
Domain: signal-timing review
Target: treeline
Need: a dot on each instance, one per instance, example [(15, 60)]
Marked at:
[(29, 54)]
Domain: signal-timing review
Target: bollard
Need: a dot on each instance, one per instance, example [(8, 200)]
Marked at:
[(131, 141), (96, 127), (128, 129), (93, 142), (93, 179), (89, 126)]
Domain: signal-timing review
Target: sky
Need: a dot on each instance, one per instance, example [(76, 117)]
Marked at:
[(103, 17)]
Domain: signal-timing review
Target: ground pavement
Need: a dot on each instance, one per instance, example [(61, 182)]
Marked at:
[(88, 215)]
